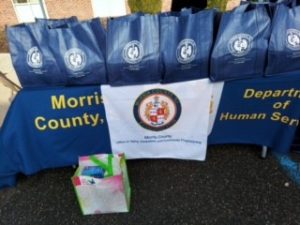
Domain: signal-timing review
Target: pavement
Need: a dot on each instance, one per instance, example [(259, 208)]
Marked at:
[(234, 186)]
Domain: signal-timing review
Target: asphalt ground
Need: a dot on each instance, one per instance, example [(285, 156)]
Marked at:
[(233, 186)]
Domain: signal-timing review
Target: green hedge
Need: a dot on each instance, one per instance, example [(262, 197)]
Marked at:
[(220, 4), (146, 6)]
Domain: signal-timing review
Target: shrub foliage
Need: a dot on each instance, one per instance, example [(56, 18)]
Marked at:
[(146, 6)]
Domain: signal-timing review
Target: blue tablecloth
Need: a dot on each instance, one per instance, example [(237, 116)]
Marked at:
[(47, 128), (38, 131), (263, 111)]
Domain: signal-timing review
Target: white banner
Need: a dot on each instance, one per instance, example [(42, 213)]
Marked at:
[(159, 121)]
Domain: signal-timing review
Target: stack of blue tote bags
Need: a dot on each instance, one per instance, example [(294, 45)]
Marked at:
[(58, 52), (241, 47), (186, 40), (255, 39), (284, 46)]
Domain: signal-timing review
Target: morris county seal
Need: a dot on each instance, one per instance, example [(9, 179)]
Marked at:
[(133, 52), (240, 44), (186, 51), (293, 39), (157, 109), (34, 58), (75, 59)]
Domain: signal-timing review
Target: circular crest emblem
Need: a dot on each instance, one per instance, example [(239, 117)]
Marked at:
[(34, 58), (240, 44), (186, 51), (75, 59), (293, 39), (133, 52), (157, 109)]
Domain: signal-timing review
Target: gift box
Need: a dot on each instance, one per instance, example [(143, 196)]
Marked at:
[(101, 184)]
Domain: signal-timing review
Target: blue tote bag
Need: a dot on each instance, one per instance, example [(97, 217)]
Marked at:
[(78, 54), (32, 59), (132, 54), (284, 46), (241, 46), (53, 23), (99, 33), (95, 25), (186, 42), (270, 5)]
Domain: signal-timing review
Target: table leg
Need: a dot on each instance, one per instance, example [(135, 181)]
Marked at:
[(264, 152)]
